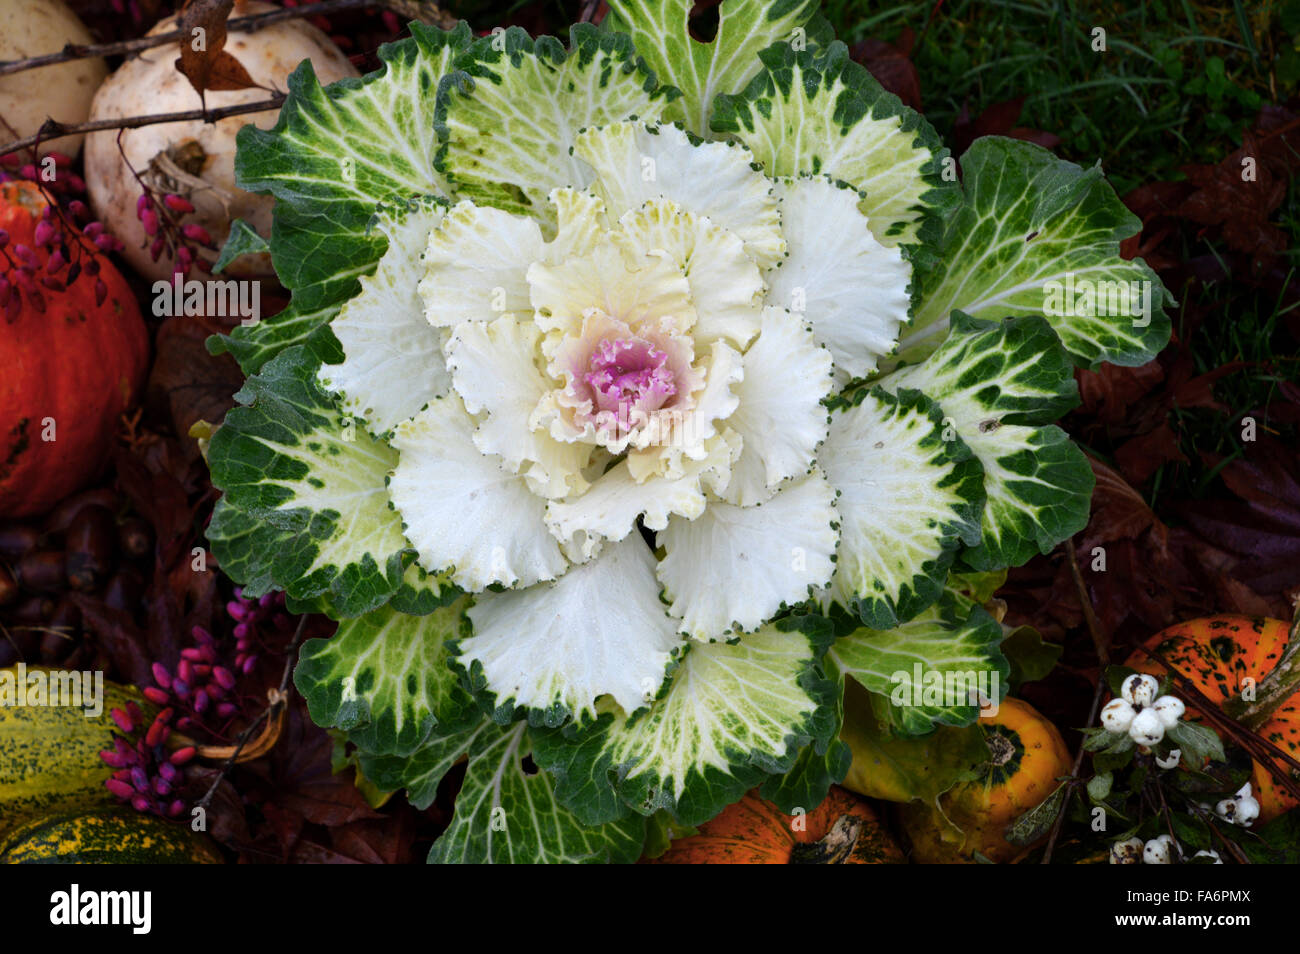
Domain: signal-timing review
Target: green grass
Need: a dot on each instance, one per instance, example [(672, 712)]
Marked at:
[(1176, 83), (1245, 329)]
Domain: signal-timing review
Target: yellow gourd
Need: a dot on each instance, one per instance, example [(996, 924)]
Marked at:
[(1027, 756)]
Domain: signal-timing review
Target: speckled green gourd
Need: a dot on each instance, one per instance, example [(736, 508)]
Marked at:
[(49, 756), (112, 836)]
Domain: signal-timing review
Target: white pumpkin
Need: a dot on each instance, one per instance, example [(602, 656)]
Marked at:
[(62, 91), (197, 157)]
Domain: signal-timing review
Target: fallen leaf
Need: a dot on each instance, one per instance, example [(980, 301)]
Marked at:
[(203, 60), (385, 841), (226, 818), (186, 383), (307, 852), (1240, 194), (1261, 530), (1140, 457), (997, 120), (227, 73), (1110, 392), (1118, 511), (117, 634), (892, 66)]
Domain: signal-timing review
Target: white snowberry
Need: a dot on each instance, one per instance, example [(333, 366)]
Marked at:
[(1171, 760), (1209, 854), (1242, 809), (1117, 715), (1247, 807), (1127, 852), (1160, 851), (1140, 689), (1170, 709), (1146, 728)]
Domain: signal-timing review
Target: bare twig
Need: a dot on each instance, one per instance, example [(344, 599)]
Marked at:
[(273, 714), (52, 129), (291, 653), (423, 10), (1230, 846), (1074, 777), (10, 640), (1151, 782), (1101, 644), (229, 764)]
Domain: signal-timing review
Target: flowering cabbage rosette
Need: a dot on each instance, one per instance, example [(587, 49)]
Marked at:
[(635, 395)]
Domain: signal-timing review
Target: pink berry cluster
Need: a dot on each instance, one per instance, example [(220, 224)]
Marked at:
[(197, 690), (163, 228), (65, 182), (66, 243), (198, 696), (145, 774), (255, 620)]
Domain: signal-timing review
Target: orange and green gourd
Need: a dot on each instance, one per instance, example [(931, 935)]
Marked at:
[(843, 829), (1026, 758)]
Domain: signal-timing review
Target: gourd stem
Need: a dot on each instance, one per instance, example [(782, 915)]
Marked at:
[(257, 747), (834, 849)]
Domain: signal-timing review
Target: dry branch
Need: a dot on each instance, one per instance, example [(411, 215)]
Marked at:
[(423, 10)]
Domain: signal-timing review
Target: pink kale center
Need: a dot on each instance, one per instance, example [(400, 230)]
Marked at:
[(629, 375)]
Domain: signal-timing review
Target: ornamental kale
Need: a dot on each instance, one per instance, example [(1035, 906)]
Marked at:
[(635, 395)]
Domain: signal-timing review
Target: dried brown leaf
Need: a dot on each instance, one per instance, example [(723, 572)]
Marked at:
[(892, 66), (203, 60)]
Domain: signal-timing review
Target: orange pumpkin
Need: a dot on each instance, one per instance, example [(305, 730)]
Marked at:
[(1217, 653), (1026, 757), (841, 830), (74, 368)]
